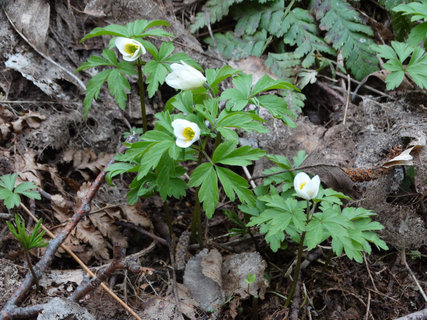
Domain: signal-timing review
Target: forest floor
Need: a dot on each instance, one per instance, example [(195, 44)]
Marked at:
[(45, 139)]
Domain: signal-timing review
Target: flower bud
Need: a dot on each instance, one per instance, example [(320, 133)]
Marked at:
[(186, 132), (184, 77), (305, 187), (130, 48)]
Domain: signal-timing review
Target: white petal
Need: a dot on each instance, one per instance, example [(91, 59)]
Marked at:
[(183, 144), (184, 77), (121, 44), (299, 179), (312, 188)]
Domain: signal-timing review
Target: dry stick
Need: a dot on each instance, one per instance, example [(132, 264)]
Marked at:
[(69, 73), (413, 276), (347, 102), (419, 315), (54, 244), (88, 285)]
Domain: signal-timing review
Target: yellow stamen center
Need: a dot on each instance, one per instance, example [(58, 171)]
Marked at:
[(130, 48), (188, 133), (302, 185)]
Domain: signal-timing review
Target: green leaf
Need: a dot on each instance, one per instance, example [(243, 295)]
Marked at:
[(215, 76), (205, 177), (152, 156), (112, 30), (127, 67), (118, 86), (7, 181), (239, 96), (347, 33), (266, 83), (116, 169), (157, 73), (93, 88), (236, 48), (24, 188), (214, 11), (226, 153), (233, 183), (242, 120)]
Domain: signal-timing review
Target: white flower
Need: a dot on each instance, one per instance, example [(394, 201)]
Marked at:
[(186, 132), (305, 187), (130, 48), (184, 77)]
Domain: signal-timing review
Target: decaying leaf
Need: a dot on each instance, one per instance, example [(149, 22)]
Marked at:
[(406, 157), (30, 119), (203, 289), (135, 216), (235, 270), (104, 223), (87, 233), (211, 266), (86, 160), (165, 308), (32, 18)]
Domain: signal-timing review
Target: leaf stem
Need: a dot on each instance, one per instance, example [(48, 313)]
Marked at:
[(142, 96)]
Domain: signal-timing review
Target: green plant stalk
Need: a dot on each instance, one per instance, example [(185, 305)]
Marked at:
[(142, 96), (298, 266), (30, 266)]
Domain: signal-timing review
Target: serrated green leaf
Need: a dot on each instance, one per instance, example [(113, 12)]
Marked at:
[(93, 88), (157, 73), (116, 169), (112, 30), (205, 177), (7, 181), (118, 86), (152, 156), (347, 33), (226, 153), (127, 67), (214, 11), (215, 76), (266, 83), (233, 183)]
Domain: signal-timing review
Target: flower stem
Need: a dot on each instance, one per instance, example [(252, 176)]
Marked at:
[(299, 256), (30, 266), (142, 96), (168, 218)]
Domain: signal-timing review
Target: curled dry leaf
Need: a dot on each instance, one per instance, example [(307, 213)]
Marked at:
[(29, 119), (406, 157)]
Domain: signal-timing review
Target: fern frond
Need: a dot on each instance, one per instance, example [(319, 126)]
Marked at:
[(300, 30), (284, 65), (232, 47), (213, 11), (346, 32), (253, 15)]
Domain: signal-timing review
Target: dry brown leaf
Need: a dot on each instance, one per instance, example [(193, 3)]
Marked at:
[(105, 224), (86, 160), (87, 233), (211, 266), (32, 18), (135, 216), (406, 157)]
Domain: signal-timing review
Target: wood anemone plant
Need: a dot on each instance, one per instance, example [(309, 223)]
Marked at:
[(28, 241)]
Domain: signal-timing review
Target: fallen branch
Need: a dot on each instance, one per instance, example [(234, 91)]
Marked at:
[(8, 310)]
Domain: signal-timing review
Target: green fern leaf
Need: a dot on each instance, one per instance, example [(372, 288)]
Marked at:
[(346, 32), (213, 11), (284, 65), (231, 46), (300, 30)]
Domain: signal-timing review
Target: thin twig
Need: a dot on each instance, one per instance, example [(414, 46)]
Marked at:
[(347, 100), (413, 276)]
